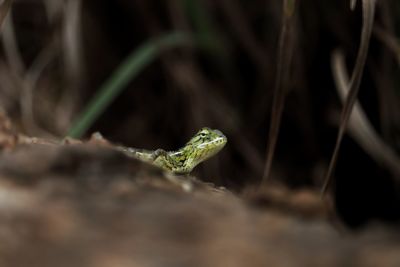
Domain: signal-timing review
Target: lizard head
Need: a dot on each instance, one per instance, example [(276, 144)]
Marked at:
[(205, 144)]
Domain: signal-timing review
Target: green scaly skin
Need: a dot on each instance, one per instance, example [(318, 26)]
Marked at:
[(203, 145)]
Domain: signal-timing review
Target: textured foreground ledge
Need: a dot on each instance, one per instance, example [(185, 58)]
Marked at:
[(81, 205)]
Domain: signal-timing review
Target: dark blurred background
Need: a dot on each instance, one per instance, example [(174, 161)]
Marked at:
[(58, 53)]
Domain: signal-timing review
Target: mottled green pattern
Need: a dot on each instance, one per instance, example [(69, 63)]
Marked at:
[(206, 143)]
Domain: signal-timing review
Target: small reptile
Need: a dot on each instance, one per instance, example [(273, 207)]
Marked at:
[(203, 145)]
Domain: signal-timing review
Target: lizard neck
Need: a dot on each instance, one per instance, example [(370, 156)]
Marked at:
[(140, 154)]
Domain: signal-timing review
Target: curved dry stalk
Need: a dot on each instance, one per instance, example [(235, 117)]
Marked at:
[(4, 9), (390, 41), (359, 126), (27, 75), (353, 4), (368, 21), (12, 53), (53, 9), (282, 76), (74, 65), (29, 85), (72, 39)]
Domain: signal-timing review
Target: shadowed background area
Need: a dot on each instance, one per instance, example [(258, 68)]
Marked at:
[(217, 69)]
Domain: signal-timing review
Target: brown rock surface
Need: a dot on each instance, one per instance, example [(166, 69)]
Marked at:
[(85, 206)]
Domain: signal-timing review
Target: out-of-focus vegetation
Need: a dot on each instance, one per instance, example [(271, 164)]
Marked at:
[(59, 56), (122, 76)]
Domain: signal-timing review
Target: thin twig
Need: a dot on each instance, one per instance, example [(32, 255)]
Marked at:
[(282, 75)]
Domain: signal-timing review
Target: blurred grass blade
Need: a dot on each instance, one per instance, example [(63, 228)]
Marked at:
[(125, 73), (4, 8), (392, 43), (289, 8), (206, 30), (359, 126), (368, 21), (282, 77), (353, 4)]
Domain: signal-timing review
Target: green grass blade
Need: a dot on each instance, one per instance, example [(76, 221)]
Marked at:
[(126, 72)]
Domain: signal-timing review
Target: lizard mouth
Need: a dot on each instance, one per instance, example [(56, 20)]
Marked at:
[(221, 140), (219, 133), (218, 142)]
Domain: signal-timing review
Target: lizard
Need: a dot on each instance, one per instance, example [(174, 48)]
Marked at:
[(203, 145)]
